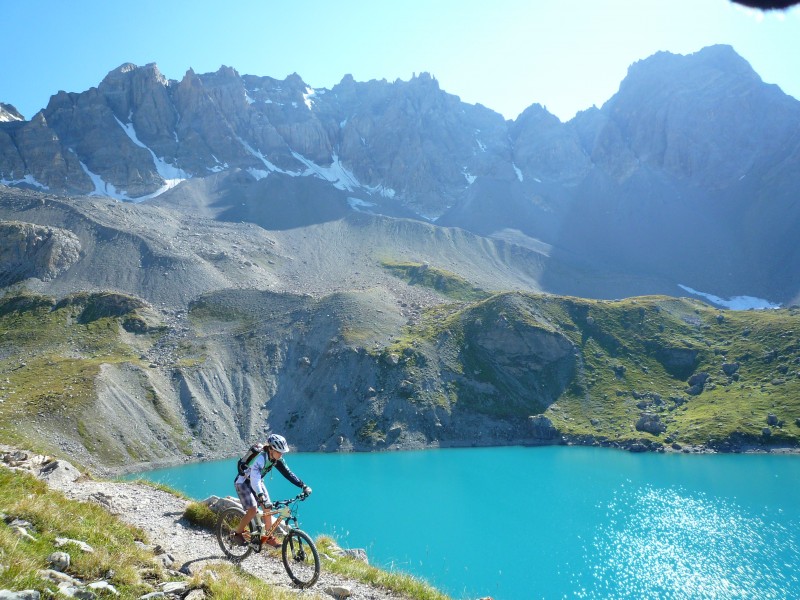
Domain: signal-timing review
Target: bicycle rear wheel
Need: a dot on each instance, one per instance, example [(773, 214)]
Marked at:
[(227, 522), (300, 558)]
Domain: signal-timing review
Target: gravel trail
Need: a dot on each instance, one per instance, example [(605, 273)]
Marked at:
[(160, 514)]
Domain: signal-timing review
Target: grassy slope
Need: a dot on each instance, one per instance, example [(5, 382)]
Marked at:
[(636, 351), (50, 355), (116, 559), (636, 356)]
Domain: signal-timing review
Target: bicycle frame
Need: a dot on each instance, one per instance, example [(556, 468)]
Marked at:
[(281, 511), (279, 515)]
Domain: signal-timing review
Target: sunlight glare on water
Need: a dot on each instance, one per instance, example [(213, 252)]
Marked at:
[(662, 543)]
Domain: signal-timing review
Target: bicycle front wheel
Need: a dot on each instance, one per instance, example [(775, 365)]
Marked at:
[(300, 557), (227, 522)]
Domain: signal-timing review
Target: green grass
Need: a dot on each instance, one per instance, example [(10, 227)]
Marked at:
[(50, 355), (400, 583), (52, 516), (449, 284), (209, 311)]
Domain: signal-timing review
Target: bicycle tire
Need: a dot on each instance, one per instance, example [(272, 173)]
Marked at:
[(300, 558), (226, 525)]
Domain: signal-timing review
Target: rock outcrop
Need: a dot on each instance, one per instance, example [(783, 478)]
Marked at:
[(28, 250)]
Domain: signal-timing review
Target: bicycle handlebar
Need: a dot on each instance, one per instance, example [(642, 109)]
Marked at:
[(280, 503)]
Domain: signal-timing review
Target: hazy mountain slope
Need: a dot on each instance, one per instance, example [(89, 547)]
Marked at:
[(170, 256), (687, 175)]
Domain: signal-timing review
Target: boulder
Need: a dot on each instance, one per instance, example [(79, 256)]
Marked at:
[(730, 368), (542, 428), (166, 560), (338, 591), (103, 586), (59, 561), (217, 504), (174, 587), (76, 591), (58, 473), (650, 423), (83, 546), (358, 554), (57, 577), (696, 385), (23, 595)]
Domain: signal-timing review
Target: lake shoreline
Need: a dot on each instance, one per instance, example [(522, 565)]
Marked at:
[(634, 446)]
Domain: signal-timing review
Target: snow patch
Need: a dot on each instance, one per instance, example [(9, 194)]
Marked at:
[(258, 174), (429, 218), (28, 180), (384, 191), (219, 166), (340, 177), (308, 97), (171, 174), (517, 171), (468, 176), (7, 117), (481, 145), (101, 188), (270, 166), (359, 205), (735, 303)]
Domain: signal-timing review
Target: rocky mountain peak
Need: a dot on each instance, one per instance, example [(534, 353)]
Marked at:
[(676, 112), (9, 113), (710, 67)]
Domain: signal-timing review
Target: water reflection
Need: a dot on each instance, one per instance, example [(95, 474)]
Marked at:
[(664, 543)]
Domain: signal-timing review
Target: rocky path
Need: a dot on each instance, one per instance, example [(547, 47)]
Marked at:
[(187, 547)]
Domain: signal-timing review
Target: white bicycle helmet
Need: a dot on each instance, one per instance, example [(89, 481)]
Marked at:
[(278, 442)]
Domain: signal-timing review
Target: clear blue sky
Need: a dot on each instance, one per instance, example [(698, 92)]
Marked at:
[(504, 54)]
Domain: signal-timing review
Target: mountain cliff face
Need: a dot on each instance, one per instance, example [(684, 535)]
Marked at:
[(688, 175)]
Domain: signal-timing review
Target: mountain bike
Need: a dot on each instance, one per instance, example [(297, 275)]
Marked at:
[(298, 552)]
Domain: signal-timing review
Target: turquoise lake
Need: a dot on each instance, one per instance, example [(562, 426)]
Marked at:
[(554, 522)]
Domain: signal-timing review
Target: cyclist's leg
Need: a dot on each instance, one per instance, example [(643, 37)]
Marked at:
[(267, 517), (248, 501)]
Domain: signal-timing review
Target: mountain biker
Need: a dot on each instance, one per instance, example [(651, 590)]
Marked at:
[(251, 489)]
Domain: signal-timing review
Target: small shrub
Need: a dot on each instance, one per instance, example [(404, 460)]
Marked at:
[(201, 515)]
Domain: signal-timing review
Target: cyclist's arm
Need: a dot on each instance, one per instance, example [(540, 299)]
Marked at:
[(254, 475), (286, 472)]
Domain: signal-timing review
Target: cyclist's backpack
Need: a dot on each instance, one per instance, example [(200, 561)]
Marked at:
[(244, 463)]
